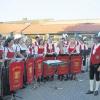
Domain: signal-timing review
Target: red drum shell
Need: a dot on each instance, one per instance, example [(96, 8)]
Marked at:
[(63, 69), (30, 70), (76, 64), (48, 70), (16, 71), (38, 67)]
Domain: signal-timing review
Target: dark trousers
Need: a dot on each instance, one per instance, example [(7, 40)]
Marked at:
[(94, 72)]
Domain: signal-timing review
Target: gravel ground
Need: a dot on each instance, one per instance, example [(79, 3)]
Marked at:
[(58, 90)]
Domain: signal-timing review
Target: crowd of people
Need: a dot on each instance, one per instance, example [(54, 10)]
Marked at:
[(22, 47)]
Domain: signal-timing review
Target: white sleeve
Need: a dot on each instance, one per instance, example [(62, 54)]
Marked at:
[(27, 51), (86, 47), (78, 49), (36, 50), (67, 49), (45, 49), (57, 50)]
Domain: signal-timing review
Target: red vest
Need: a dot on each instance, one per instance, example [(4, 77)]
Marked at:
[(40, 50), (10, 54), (72, 50), (95, 58)]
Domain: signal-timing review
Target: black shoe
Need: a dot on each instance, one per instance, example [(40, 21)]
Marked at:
[(89, 92), (96, 93)]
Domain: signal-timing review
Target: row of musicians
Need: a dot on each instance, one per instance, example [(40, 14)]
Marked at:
[(12, 50)]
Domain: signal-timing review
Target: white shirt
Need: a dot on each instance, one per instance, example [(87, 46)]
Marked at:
[(84, 47)]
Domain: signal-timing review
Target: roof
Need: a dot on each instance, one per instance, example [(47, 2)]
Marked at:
[(7, 28), (45, 28), (50, 26), (85, 27)]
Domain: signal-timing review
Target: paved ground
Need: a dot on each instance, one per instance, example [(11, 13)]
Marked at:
[(67, 90)]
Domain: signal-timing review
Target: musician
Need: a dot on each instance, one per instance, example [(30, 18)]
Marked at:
[(16, 46), (36, 43), (83, 51), (50, 50), (60, 48), (40, 49), (49, 47), (95, 66), (9, 56), (40, 53), (73, 48), (30, 48), (22, 48), (9, 50), (1, 50), (66, 42), (1, 64)]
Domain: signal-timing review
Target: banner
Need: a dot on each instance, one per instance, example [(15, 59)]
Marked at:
[(76, 64), (38, 67), (30, 70), (16, 70)]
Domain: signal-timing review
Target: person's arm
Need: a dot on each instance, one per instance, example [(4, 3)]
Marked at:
[(17, 51), (67, 49), (19, 54), (5, 53), (57, 49)]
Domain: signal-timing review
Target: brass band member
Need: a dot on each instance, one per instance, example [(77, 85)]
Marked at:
[(73, 48), (9, 56), (95, 66)]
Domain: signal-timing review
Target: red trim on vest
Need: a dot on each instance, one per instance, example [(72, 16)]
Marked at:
[(95, 58)]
